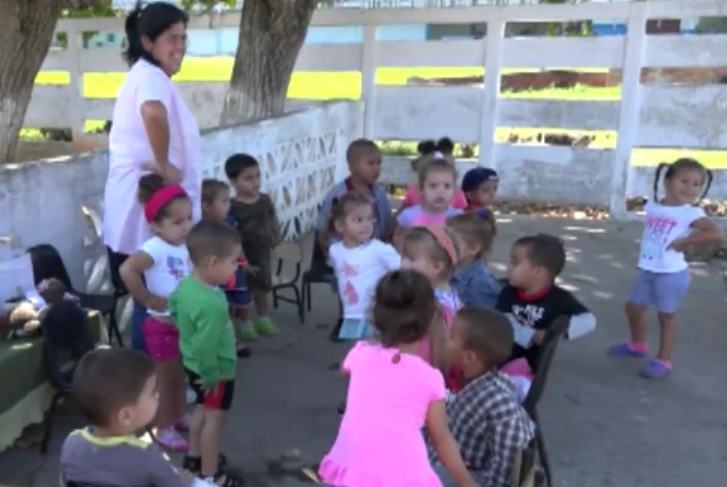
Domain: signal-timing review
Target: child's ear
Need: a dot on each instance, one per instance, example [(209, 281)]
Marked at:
[(338, 225)]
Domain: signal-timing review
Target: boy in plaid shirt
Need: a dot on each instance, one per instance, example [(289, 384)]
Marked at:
[(485, 418)]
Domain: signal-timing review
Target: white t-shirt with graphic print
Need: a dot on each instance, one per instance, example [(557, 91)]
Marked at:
[(662, 226), (358, 271), (171, 265)]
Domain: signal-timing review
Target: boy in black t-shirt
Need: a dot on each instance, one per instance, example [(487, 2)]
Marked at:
[(532, 300)]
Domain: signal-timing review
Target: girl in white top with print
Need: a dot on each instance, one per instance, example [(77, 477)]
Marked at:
[(359, 261), (672, 224), (163, 261)]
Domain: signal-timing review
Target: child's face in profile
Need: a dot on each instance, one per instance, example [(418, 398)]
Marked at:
[(177, 223), (484, 195), (218, 270), (357, 226), (367, 168), (132, 418), (248, 182), (457, 354), (220, 206), (521, 272), (438, 190), (416, 257)]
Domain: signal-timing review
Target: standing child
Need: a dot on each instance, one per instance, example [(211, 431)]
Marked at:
[(116, 390), (392, 394), (672, 225), (359, 262), (207, 342), (480, 186), (436, 183), (259, 229), (429, 150), (151, 275), (532, 300), (473, 281), (216, 206)]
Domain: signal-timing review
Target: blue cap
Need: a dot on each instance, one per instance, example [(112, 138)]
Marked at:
[(476, 176)]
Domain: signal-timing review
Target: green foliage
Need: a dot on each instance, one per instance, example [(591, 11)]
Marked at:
[(98, 8), (205, 5)]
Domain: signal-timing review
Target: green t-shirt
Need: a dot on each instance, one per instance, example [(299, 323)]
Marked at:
[(206, 337)]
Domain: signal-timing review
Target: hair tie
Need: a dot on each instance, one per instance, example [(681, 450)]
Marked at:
[(160, 198), (444, 241)]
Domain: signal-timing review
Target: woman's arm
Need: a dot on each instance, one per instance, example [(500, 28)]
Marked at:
[(156, 124), (131, 271), (445, 446)]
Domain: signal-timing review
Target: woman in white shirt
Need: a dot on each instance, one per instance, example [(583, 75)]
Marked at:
[(152, 130)]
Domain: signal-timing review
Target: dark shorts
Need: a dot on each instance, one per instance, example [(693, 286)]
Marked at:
[(219, 398), (238, 293), (262, 279)]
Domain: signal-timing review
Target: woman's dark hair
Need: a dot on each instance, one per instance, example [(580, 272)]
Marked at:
[(150, 20), (672, 169), (150, 184), (404, 307), (342, 205)]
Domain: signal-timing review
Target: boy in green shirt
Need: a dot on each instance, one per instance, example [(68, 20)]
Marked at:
[(207, 341)]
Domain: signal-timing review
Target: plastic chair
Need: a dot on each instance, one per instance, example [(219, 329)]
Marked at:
[(527, 471), (553, 336), (66, 339), (320, 272), (293, 253), (47, 263)]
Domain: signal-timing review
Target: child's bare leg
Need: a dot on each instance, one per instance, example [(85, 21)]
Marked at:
[(637, 323), (171, 403), (179, 389), (196, 426), (667, 340), (210, 437)]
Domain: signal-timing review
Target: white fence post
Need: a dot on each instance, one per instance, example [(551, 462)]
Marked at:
[(628, 126), (491, 92), (75, 70), (368, 78)]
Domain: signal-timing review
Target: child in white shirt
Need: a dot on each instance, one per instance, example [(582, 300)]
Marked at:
[(359, 261), (151, 275)]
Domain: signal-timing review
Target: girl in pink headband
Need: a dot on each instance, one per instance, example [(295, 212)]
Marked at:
[(151, 275)]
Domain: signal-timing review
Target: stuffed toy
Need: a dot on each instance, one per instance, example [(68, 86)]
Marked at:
[(24, 319)]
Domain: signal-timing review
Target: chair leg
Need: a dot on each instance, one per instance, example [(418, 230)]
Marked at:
[(299, 303), (275, 299), (49, 422), (114, 330), (307, 292)]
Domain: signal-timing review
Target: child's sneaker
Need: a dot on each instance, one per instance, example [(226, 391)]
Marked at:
[(170, 439), (265, 326), (656, 369), (626, 350), (247, 332)]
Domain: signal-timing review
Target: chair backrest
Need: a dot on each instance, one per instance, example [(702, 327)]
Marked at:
[(319, 262), (47, 263), (289, 251), (66, 338), (553, 336)]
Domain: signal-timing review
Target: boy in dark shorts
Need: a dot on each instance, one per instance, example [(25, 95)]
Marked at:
[(485, 418), (207, 342), (116, 389), (259, 229), (532, 300)]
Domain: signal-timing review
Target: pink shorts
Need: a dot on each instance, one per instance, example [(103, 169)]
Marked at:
[(162, 339)]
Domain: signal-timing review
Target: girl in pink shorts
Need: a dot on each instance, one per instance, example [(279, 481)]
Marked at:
[(150, 275)]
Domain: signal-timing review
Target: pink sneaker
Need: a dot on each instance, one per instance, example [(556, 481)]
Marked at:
[(184, 422), (170, 439)]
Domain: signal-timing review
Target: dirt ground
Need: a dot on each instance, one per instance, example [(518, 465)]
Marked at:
[(604, 425)]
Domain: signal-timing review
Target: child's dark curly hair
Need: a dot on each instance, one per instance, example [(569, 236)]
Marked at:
[(150, 184), (404, 307)]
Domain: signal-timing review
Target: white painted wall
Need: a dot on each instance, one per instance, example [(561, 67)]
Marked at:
[(302, 155), (647, 115)]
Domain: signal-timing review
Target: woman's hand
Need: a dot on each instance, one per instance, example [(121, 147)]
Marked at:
[(168, 171)]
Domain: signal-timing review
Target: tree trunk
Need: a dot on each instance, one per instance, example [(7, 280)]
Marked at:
[(26, 32), (271, 35)]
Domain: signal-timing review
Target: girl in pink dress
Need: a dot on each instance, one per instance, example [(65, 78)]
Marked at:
[(392, 395)]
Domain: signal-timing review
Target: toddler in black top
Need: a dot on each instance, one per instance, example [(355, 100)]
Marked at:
[(532, 300)]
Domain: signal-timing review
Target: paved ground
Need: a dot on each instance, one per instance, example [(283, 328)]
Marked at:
[(604, 425)]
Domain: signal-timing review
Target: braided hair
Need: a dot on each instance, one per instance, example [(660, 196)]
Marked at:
[(670, 170)]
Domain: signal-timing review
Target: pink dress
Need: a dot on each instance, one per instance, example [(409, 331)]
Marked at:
[(380, 441), (413, 197)]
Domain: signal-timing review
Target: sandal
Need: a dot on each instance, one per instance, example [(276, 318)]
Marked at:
[(194, 464), (226, 479)]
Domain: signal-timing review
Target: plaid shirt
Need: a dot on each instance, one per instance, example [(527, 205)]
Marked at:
[(490, 428)]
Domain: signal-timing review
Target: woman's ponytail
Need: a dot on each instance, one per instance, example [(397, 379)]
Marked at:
[(134, 48)]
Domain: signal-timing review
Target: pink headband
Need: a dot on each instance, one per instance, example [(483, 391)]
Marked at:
[(444, 241), (160, 198)]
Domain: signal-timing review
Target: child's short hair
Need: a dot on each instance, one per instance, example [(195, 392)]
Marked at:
[(672, 169), (237, 163), (473, 229), (442, 244), (544, 250), (404, 307), (108, 379), (427, 166), (150, 184), (360, 148), (342, 205), (487, 333), (478, 176), (212, 188), (209, 238)]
